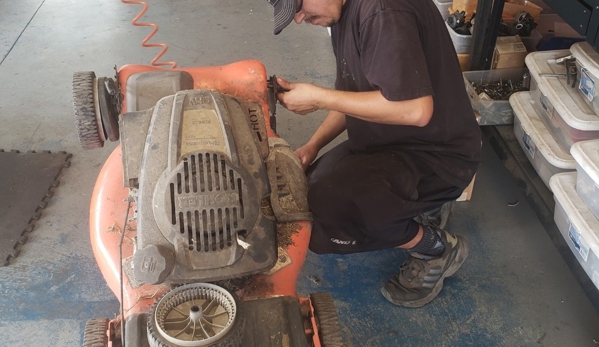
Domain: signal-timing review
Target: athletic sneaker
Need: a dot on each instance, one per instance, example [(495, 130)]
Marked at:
[(420, 277)]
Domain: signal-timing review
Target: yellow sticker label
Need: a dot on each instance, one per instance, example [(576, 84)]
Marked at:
[(201, 130)]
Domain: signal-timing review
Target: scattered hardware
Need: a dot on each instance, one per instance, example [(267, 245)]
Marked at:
[(562, 60), (457, 21), (571, 71), (526, 80), (499, 90), (522, 25)]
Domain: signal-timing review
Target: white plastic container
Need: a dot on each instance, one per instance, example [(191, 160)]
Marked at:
[(539, 65), (492, 112), (586, 154), (576, 223), (561, 106), (461, 43), (541, 148), (587, 61), (443, 7)]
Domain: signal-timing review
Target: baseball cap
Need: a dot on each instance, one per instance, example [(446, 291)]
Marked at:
[(284, 13)]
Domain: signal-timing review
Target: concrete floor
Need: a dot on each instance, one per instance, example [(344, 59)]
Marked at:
[(515, 290)]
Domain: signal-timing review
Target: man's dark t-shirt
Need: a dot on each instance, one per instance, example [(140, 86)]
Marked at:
[(403, 49)]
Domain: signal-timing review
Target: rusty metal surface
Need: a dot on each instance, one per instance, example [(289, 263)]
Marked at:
[(27, 182)]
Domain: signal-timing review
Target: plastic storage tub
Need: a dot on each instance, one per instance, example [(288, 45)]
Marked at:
[(539, 65), (587, 61), (586, 154), (492, 112), (461, 43), (443, 7), (576, 223), (541, 148), (562, 106)]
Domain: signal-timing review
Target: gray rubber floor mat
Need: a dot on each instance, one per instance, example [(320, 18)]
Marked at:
[(27, 182)]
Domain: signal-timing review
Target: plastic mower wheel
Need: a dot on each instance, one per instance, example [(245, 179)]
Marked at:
[(89, 126), (327, 320), (95, 334), (197, 314)]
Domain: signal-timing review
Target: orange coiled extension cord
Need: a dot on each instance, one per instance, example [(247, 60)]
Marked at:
[(154, 27)]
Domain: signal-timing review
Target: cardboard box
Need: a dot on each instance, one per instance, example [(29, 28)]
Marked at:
[(552, 24), (509, 52), (468, 6), (464, 59), (467, 193), (565, 30)]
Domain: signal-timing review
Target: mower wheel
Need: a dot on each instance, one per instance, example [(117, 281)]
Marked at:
[(196, 314), (107, 92), (327, 321), (96, 333), (89, 125)]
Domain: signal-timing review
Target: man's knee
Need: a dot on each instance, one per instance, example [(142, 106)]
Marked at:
[(323, 194)]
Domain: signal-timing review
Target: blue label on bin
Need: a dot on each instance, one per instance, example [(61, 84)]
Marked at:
[(587, 85), (579, 242), (546, 105), (529, 145)]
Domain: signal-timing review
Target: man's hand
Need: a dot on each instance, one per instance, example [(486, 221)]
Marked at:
[(306, 153), (300, 98)]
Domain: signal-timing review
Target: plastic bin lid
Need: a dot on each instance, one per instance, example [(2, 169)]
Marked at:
[(587, 56), (586, 154), (563, 186), (538, 132), (539, 62), (573, 110)]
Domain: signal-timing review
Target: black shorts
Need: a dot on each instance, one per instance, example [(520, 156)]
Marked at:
[(367, 201)]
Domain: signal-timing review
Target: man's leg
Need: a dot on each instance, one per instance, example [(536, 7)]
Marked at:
[(438, 217), (364, 202), (328, 162), (434, 254), (368, 202), (437, 255)]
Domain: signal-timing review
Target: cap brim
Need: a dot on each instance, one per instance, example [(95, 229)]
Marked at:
[(284, 13)]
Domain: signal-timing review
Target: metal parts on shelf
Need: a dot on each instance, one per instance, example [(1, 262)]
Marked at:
[(501, 90)]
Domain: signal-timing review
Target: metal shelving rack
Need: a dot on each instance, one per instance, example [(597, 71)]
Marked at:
[(583, 16)]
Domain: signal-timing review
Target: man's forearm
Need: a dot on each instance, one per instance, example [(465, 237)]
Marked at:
[(303, 98), (329, 129), (373, 107)]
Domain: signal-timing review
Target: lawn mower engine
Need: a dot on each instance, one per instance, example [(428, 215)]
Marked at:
[(214, 204), (202, 180)]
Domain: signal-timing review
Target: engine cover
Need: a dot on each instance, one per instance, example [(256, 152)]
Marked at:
[(202, 182)]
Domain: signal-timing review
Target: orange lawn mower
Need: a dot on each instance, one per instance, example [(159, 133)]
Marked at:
[(199, 219)]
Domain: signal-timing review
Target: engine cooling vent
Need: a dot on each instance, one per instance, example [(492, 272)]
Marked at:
[(207, 202)]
